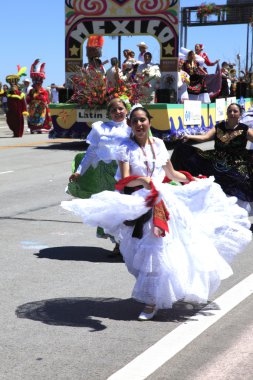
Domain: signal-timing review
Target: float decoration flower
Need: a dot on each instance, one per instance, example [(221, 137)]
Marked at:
[(89, 87), (205, 10), (90, 90)]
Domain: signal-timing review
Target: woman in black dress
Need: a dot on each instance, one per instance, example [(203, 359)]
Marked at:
[(197, 89), (229, 162)]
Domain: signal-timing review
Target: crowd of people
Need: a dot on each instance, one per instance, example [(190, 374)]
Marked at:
[(178, 248), (193, 77), (140, 71), (27, 100)]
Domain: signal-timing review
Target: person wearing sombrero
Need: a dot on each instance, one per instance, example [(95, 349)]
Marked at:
[(26, 86), (143, 49)]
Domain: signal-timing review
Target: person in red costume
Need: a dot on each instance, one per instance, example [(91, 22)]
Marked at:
[(199, 50), (39, 119), (16, 104)]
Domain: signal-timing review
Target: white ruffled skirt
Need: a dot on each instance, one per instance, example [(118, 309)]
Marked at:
[(206, 231)]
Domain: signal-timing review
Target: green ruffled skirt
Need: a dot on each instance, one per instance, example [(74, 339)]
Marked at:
[(92, 182)]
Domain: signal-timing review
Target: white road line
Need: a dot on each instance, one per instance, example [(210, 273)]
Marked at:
[(32, 245), (158, 354), (9, 171)]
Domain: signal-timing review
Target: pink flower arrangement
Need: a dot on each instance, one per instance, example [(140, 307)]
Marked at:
[(205, 10)]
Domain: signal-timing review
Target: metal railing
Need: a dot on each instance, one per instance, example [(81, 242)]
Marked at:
[(224, 15)]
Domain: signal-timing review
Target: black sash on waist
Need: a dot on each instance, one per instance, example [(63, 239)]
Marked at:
[(139, 222)]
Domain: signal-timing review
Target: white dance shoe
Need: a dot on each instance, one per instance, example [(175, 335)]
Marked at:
[(148, 313)]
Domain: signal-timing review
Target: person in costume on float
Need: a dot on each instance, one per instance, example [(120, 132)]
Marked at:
[(94, 171), (94, 52), (114, 74), (16, 105), (125, 54), (229, 162), (225, 80), (199, 51), (96, 64), (197, 89), (174, 250), (182, 83), (39, 119), (129, 62)]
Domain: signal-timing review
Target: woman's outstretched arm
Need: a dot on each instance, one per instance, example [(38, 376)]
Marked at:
[(201, 138), (174, 174)]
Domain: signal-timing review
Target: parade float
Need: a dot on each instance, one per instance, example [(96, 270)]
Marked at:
[(159, 19)]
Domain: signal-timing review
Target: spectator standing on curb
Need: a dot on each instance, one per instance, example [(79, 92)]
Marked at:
[(25, 90), (4, 99), (27, 86), (54, 93)]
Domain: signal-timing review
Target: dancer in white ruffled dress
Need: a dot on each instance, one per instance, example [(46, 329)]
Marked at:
[(177, 241), (94, 171), (103, 136)]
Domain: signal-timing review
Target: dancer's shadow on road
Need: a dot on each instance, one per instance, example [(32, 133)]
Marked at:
[(74, 253), (80, 312), (88, 312)]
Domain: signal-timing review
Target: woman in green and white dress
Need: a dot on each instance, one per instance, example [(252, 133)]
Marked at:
[(94, 170)]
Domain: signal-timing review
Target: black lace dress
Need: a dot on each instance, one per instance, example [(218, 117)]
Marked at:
[(230, 162), (197, 79)]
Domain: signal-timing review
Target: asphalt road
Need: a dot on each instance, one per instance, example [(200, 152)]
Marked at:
[(66, 311)]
